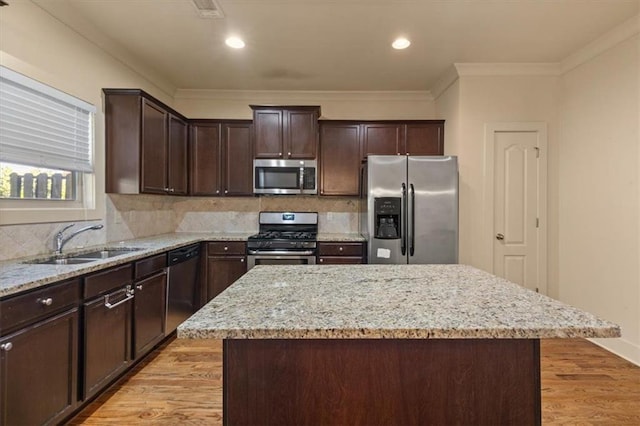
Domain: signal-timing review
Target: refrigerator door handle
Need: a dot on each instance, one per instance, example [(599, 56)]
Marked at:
[(403, 220), (412, 232)]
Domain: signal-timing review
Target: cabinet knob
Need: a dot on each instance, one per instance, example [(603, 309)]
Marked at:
[(242, 260), (321, 260), (139, 287), (289, 153), (408, 153), (226, 192), (279, 154), (340, 249), (6, 346), (46, 302), (166, 189), (226, 248), (217, 191), (499, 237)]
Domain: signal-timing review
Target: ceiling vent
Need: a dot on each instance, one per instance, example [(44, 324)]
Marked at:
[(208, 8)]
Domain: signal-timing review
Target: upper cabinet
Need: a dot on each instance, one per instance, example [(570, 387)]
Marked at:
[(221, 158), (345, 144), (146, 145), (403, 138), (339, 158), (285, 132)]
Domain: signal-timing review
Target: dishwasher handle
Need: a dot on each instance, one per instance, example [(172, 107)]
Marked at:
[(183, 254)]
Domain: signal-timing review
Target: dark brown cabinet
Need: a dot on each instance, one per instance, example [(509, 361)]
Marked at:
[(285, 132), (345, 144), (340, 253), (150, 304), (382, 139), (146, 145), (221, 159), (339, 158), (425, 137), (226, 262), (106, 327), (178, 161), (39, 358)]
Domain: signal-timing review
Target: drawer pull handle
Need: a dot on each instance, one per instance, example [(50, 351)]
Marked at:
[(6, 346), (46, 302), (110, 305)]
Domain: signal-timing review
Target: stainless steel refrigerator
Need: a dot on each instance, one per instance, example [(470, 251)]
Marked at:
[(409, 209)]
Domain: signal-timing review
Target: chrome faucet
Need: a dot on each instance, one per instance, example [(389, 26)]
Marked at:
[(61, 240)]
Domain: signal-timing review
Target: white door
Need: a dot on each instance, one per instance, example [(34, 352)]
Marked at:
[(519, 193)]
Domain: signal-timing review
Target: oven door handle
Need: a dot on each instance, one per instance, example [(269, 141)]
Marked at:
[(281, 253)]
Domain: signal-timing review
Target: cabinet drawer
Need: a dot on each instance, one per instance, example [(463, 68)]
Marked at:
[(340, 249), (226, 247), (21, 310), (149, 266), (105, 281)]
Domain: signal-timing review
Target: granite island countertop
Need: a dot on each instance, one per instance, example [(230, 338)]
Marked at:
[(385, 301)]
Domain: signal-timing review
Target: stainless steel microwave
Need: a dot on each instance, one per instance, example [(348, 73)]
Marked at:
[(285, 177)]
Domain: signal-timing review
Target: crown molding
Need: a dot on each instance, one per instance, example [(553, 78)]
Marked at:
[(600, 45), (506, 69), (303, 95), (445, 81)]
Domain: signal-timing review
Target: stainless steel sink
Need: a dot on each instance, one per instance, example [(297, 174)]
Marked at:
[(106, 253), (61, 261), (80, 258)]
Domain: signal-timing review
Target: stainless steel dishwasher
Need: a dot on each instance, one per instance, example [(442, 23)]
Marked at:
[(182, 286)]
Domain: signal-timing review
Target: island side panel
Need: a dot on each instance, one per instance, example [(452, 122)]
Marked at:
[(382, 381)]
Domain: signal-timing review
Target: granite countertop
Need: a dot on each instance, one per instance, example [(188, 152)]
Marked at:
[(16, 276), (385, 301)]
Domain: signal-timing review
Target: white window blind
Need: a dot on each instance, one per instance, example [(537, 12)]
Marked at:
[(42, 126)]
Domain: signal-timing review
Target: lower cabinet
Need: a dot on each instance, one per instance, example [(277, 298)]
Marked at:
[(39, 354), (341, 253), (226, 262), (150, 304), (150, 308), (39, 372), (108, 315)]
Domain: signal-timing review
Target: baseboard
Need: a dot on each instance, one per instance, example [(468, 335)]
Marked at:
[(621, 347)]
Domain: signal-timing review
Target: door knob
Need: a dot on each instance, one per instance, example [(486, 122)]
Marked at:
[(499, 237)]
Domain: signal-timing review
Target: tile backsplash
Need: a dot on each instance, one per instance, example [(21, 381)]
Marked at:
[(136, 216)]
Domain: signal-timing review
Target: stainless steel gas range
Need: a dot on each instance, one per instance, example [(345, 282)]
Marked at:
[(284, 238)]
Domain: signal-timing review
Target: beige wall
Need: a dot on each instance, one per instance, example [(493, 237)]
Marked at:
[(35, 44), (467, 106), (334, 105), (599, 216), (593, 113)]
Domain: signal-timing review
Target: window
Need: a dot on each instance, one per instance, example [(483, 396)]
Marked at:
[(46, 154), (46, 141)]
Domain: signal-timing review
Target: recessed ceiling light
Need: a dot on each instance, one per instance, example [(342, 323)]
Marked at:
[(235, 42), (400, 43)]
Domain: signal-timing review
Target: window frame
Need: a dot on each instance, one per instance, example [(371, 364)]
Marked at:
[(86, 206)]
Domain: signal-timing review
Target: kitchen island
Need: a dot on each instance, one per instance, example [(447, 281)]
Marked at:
[(383, 344)]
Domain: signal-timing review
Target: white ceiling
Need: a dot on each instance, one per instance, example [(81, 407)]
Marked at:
[(334, 44)]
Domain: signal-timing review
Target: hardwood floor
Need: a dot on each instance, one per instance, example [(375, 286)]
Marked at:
[(182, 384)]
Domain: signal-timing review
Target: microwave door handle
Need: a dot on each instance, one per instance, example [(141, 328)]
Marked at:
[(301, 180)]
